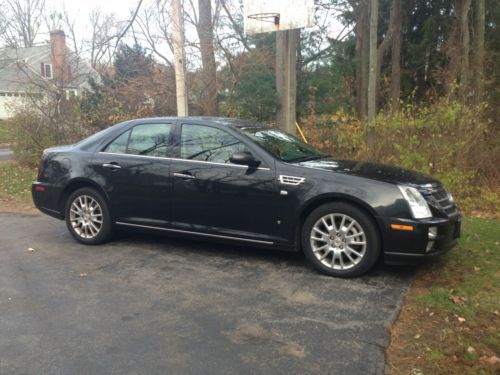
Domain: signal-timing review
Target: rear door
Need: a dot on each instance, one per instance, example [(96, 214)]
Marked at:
[(211, 194), (134, 169)]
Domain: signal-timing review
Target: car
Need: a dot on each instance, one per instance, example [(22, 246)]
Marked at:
[(243, 182)]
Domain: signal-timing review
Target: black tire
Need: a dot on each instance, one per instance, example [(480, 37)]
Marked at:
[(368, 226), (106, 229)]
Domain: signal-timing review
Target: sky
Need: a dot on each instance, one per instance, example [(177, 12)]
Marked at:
[(81, 9)]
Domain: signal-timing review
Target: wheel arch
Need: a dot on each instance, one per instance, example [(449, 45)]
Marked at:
[(331, 198), (74, 185)]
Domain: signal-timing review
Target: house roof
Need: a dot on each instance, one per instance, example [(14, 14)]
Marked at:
[(20, 69)]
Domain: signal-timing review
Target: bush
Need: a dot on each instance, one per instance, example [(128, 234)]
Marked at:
[(449, 140)]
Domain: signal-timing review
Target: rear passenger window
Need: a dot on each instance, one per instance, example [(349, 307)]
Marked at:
[(146, 139), (119, 145)]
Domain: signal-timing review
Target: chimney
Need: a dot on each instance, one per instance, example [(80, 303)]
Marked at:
[(60, 66)]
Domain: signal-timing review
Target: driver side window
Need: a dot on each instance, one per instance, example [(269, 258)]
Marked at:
[(205, 143)]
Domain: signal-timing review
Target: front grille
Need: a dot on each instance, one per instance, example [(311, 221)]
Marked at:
[(440, 199)]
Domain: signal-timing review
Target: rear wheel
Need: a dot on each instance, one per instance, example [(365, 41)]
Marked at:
[(340, 240), (87, 216)]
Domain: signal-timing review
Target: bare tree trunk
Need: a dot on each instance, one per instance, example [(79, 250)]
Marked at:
[(372, 75), (465, 42), (396, 57), (362, 54), (479, 29), (180, 58), (205, 31)]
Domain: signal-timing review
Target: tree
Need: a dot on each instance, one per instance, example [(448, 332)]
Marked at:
[(396, 56), (205, 31), (21, 21), (373, 61), (479, 31)]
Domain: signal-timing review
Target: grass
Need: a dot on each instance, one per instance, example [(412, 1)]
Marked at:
[(15, 181), (5, 133), (450, 323)]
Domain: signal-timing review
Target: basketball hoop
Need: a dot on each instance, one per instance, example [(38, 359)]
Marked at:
[(267, 17)]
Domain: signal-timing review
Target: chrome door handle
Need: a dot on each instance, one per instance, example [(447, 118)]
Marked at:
[(186, 176), (111, 166)]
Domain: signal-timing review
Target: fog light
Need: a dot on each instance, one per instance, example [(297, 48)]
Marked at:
[(430, 244), (433, 231)]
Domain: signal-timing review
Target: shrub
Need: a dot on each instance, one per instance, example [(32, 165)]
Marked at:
[(449, 140)]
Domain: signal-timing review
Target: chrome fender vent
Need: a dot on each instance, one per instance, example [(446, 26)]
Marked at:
[(291, 180)]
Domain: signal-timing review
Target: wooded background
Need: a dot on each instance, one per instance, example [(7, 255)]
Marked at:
[(410, 82)]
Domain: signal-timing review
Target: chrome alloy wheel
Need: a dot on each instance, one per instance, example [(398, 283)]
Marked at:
[(338, 241), (86, 216)]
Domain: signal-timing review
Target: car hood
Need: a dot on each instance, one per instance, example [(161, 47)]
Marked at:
[(374, 171)]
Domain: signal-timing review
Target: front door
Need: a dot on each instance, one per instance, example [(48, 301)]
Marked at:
[(136, 174), (211, 194)]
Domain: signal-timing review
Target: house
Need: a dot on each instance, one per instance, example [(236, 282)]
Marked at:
[(38, 71)]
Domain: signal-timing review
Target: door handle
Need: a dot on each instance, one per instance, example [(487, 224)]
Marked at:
[(184, 176), (112, 166)]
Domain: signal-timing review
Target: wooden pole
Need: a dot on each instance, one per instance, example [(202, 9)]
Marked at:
[(180, 58), (286, 79)]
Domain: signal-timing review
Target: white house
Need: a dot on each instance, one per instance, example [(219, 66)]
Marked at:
[(41, 69)]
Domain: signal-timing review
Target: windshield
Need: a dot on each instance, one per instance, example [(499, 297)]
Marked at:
[(282, 145)]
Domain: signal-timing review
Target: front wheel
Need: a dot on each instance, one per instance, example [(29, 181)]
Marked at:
[(87, 216), (341, 240)]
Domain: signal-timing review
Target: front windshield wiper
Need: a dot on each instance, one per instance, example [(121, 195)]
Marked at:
[(307, 158)]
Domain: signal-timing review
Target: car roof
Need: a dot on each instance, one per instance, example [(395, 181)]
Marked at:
[(206, 120)]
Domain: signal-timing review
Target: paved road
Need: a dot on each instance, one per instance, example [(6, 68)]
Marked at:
[(6, 153), (158, 305)]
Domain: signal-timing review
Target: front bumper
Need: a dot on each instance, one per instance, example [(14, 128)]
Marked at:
[(409, 246)]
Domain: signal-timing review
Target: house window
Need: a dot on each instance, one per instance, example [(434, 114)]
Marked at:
[(47, 70), (71, 94)]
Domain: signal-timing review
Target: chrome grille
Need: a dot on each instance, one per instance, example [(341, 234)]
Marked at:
[(440, 199)]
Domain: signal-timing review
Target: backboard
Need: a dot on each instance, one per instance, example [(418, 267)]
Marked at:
[(263, 16)]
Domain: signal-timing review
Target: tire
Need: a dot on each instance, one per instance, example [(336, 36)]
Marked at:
[(347, 249), (88, 217)]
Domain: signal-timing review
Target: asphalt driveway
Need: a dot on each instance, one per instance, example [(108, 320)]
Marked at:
[(6, 154), (157, 305)]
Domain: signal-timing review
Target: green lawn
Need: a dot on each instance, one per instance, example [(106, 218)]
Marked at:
[(450, 322)]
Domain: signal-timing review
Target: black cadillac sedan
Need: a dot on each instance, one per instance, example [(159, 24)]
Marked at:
[(239, 181)]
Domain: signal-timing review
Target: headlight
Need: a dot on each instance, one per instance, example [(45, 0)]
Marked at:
[(418, 205)]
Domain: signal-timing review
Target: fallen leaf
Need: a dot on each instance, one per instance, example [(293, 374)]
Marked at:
[(493, 360), (471, 349), (431, 313), (455, 358), (417, 336), (460, 319), (477, 269), (496, 312), (458, 300), (31, 250), (83, 274)]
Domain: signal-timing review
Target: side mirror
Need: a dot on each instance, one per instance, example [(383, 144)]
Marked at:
[(244, 158)]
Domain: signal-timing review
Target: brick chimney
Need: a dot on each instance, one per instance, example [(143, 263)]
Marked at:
[(60, 65)]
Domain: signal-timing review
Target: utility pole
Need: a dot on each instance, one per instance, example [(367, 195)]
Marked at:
[(286, 78), (180, 58)]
